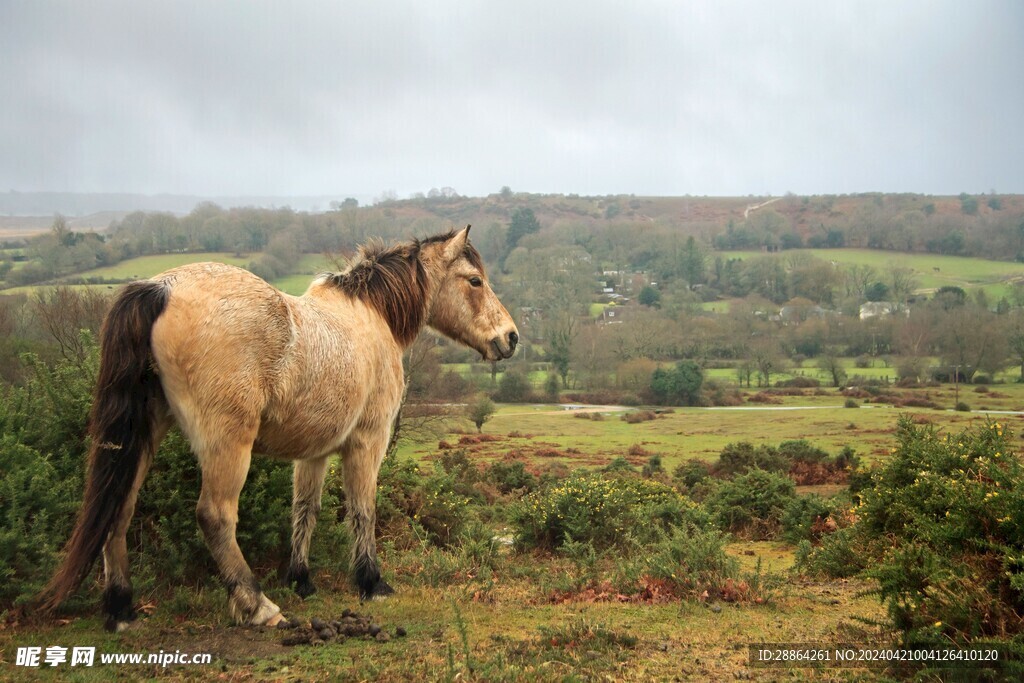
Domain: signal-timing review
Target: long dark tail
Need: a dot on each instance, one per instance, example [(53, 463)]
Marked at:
[(120, 427)]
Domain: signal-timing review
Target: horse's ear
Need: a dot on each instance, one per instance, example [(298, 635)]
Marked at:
[(457, 244)]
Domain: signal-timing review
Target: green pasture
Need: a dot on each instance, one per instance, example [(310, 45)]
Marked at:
[(545, 433), (483, 624), (148, 266), (930, 270)]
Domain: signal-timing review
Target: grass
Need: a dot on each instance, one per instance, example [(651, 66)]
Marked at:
[(930, 270), (148, 266), (501, 621), (502, 629), (688, 433)]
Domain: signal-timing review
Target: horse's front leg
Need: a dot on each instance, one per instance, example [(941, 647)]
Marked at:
[(361, 459), (307, 487)]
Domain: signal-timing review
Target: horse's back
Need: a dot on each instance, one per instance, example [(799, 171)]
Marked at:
[(294, 374)]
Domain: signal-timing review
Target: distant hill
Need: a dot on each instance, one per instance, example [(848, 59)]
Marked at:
[(981, 225), (75, 204), (802, 213)]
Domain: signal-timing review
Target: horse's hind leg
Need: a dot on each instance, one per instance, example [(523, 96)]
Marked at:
[(307, 487), (224, 471), (117, 594)]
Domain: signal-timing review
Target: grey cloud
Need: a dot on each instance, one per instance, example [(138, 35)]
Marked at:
[(596, 97)]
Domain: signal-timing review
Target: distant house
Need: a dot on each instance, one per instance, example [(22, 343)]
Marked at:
[(875, 309), (616, 315)]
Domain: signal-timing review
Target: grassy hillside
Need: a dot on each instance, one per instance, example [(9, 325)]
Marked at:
[(930, 270)]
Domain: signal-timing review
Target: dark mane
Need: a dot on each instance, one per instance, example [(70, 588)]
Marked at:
[(393, 281)]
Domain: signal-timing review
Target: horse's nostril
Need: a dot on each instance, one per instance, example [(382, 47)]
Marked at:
[(513, 339)]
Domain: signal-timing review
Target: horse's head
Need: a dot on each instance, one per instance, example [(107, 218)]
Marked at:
[(463, 306)]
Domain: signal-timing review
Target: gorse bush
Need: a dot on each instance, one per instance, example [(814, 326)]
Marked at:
[(36, 508), (414, 505), (605, 512), (511, 476), (752, 503), (42, 465), (691, 560), (803, 462), (737, 458), (941, 529)]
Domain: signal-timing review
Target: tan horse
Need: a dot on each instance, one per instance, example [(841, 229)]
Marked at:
[(242, 368)]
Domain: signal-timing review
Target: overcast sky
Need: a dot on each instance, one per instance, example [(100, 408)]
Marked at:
[(651, 98)]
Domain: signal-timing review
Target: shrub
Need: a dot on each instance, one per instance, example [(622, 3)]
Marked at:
[(653, 467), (437, 504), (552, 387), (480, 411), (637, 416), (679, 385), (604, 512), (851, 403), (799, 383), (803, 516), (511, 476), (36, 509), (737, 458), (619, 465), (752, 503), (691, 473), (963, 407), (691, 560), (513, 387), (940, 529), (839, 555), (720, 394)]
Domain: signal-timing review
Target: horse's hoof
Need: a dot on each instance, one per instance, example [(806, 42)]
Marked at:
[(115, 626), (382, 590), (302, 584), (267, 614)]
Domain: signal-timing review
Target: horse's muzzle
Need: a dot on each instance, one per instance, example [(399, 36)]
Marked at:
[(504, 348)]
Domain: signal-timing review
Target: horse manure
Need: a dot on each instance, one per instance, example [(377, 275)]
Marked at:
[(349, 625), (302, 637)]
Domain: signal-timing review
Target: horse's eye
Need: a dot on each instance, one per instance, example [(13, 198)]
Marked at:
[(475, 281)]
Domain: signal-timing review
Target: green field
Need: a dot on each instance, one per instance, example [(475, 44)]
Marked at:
[(930, 270), (687, 433), (148, 266), (495, 618)]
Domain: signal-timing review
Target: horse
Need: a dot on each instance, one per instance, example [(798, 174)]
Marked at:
[(244, 368)]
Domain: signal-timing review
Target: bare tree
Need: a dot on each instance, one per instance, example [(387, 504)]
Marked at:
[(901, 283), (421, 415), (64, 312), (831, 364)]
